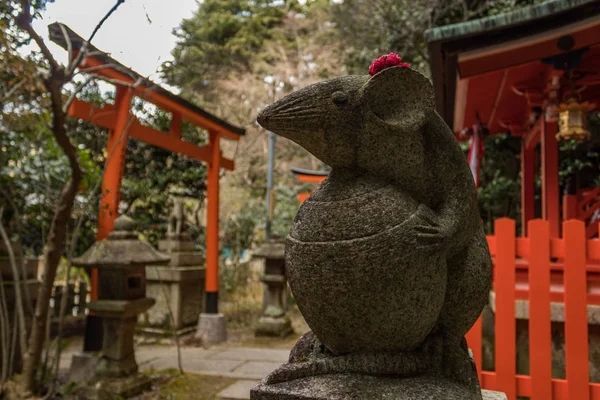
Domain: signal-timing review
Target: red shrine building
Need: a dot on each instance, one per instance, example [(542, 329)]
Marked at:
[(533, 73)]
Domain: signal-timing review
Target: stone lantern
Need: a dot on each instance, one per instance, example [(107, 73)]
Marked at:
[(274, 321), (121, 261)]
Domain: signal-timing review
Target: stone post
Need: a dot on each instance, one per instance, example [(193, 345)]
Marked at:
[(273, 321), (177, 287), (56, 300), (59, 292), (70, 299), (82, 298), (121, 261)]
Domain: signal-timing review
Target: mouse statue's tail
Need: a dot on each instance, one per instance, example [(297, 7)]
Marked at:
[(387, 259)]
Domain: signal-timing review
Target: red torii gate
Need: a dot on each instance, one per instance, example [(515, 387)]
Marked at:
[(306, 176), (122, 125)]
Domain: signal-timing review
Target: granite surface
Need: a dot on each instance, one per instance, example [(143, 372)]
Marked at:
[(387, 259), (362, 387)]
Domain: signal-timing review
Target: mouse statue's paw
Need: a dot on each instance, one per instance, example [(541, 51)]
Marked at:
[(425, 231)]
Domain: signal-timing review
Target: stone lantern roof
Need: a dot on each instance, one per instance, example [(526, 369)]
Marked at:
[(122, 248), (273, 249)]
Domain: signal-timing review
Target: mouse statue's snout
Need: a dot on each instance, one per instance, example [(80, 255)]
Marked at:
[(320, 118), (264, 117), (293, 116)]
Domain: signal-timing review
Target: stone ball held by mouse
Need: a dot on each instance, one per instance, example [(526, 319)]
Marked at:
[(352, 273)]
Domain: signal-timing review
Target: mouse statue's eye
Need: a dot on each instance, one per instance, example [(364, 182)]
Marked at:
[(339, 97)]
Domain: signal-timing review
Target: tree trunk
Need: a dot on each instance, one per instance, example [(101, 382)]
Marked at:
[(56, 236)]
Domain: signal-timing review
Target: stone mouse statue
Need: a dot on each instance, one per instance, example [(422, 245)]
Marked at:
[(388, 254)]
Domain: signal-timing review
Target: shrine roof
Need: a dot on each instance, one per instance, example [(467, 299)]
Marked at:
[(497, 67)]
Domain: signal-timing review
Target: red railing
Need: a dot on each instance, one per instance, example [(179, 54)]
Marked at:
[(583, 206), (523, 269)]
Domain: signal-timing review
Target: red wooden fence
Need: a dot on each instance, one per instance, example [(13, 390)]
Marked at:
[(579, 276), (583, 206)]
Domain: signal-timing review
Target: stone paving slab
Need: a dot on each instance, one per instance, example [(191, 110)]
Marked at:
[(240, 390), (252, 354), (144, 353), (240, 362), (193, 365), (256, 369), (173, 350)]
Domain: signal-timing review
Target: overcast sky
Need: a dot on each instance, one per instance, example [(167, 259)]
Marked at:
[(138, 34)]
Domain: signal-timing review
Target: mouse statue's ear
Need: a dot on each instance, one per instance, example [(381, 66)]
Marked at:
[(399, 96)]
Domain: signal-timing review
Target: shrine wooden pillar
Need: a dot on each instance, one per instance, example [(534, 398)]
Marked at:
[(550, 184), (527, 186), (570, 207), (212, 226), (113, 173), (115, 160)]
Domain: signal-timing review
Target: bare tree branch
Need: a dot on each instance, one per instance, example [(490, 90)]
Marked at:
[(17, 219), (121, 83), (24, 22), (98, 68), (76, 91), (12, 90), (67, 40), (83, 51), (17, 287), (5, 346)]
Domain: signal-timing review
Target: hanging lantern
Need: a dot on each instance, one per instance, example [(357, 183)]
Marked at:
[(572, 120)]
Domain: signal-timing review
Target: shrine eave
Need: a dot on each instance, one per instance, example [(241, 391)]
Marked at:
[(308, 172), (491, 67)]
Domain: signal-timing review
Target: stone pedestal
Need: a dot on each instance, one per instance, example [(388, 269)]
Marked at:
[(274, 321), (83, 367), (441, 368), (119, 319), (177, 287), (359, 387), (211, 329)]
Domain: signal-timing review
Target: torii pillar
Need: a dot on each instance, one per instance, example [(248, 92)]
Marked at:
[(211, 324), (109, 202)]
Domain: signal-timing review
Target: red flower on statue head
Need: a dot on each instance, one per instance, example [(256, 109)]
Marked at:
[(383, 62)]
